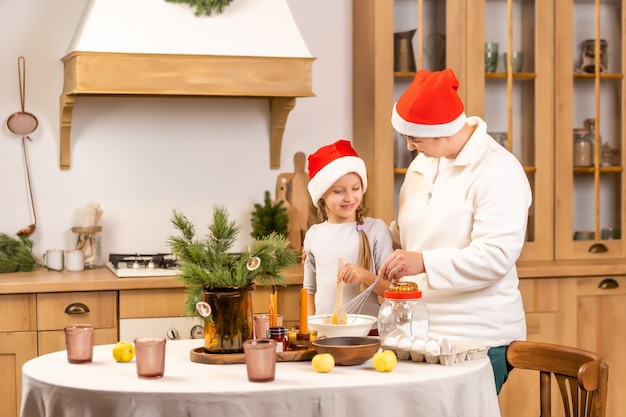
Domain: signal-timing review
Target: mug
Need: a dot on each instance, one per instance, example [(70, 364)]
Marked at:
[(74, 260), (53, 258)]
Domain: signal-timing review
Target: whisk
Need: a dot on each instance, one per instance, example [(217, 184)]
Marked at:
[(353, 307)]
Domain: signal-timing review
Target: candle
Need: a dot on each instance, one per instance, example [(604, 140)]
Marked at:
[(304, 326), (274, 308)]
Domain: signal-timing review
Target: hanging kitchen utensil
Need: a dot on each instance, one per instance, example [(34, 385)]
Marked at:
[(28, 230), (22, 123)]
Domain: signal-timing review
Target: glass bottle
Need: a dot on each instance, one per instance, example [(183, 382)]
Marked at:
[(583, 148), (403, 313)]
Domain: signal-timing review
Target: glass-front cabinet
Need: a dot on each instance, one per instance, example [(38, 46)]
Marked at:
[(508, 90), (589, 134), (547, 77)]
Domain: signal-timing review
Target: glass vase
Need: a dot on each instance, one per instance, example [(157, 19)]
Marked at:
[(231, 321)]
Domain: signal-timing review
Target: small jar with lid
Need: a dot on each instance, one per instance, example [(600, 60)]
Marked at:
[(281, 335), (403, 313), (583, 148)]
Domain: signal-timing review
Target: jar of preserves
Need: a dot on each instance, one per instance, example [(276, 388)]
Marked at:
[(583, 148), (403, 314), (281, 336)]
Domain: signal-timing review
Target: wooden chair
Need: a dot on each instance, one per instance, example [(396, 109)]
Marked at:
[(581, 376)]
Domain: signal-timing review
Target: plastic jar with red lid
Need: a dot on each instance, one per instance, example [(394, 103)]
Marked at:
[(403, 313)]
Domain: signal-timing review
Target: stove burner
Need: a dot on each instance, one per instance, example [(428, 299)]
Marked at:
[(160, 260), (138, 265)]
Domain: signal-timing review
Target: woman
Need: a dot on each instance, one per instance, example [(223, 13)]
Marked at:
[(461, 220)]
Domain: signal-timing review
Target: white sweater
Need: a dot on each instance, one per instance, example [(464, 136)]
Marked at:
[(470, 225), (324, 243)]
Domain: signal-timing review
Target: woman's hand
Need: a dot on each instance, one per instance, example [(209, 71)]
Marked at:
[(402, 263)]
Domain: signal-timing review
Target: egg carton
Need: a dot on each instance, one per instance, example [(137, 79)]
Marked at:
[(460, 354)]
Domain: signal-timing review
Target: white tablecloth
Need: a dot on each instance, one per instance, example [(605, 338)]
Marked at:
[(52, 388)]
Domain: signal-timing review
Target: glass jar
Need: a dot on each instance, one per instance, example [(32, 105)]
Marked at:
[(587, 60), (89, 240), (281, 335), (403, 313), (583, 148)]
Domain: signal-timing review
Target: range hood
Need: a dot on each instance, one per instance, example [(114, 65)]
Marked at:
[(155, 48)]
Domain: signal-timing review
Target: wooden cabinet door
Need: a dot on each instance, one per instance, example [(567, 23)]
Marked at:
[(56, 310), (590, 196), (601, 313), (167, 302), (16, 348), (546, 321)]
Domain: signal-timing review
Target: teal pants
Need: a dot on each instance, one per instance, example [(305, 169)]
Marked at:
[(501, 367)]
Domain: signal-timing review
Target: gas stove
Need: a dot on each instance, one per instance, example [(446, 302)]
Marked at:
[(137, 265)]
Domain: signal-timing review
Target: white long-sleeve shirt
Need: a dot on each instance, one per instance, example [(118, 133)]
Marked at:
[(324, 243), (468, 218)]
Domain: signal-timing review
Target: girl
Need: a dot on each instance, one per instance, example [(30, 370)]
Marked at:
[(337, 183)]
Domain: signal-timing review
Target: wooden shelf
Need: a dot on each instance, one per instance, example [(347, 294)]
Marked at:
[(279, 79)]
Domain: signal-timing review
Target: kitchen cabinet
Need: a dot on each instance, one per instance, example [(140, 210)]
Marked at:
[(600, 323), (57, 310), (587, 312), (18, 344), (590, 198), (536, 109), (512, 103)]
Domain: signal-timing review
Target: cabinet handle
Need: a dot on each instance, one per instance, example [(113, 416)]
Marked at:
[(598, 248), (76, 308), (608, 284)]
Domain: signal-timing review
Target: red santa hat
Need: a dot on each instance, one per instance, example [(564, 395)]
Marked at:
[(330, 163), (430, 107)]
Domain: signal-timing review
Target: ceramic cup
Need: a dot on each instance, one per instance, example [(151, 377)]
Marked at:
[(150, 357), (53, 258), (74, 260), (79, 343), (260, 357)]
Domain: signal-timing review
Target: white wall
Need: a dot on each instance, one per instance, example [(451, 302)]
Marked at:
[(139, 158)]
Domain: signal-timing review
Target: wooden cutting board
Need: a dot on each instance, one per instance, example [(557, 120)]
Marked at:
[(293, 229), (299, 192), (198, 355)]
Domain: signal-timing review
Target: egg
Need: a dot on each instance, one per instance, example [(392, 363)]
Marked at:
[(432, 347), (418, 345), (390, 341)]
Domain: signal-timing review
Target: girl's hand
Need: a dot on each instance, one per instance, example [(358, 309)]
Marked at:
[(402, 263), (352, 273)]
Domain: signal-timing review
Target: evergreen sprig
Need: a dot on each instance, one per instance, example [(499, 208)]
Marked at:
[(16, 254), (205, 7), (208, 262), (269, 218)]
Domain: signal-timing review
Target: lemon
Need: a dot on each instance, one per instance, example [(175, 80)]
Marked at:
[(323, 362), (384, 361), (123, 352)]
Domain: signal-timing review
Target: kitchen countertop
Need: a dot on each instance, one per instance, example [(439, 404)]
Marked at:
[(100, 279)]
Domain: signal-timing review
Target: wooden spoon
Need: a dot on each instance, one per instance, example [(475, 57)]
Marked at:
[(339, 315)]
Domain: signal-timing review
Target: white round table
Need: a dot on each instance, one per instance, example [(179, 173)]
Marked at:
[(53, 388)]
